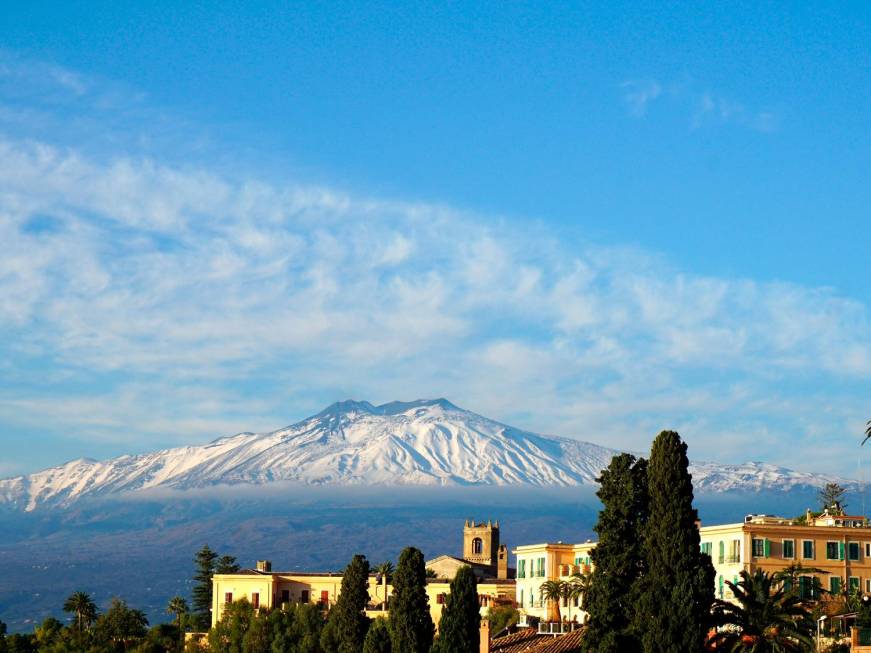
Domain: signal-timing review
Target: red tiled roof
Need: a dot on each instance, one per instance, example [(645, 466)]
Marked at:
[(530, 641)]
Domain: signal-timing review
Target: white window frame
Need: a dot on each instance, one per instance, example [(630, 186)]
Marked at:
[(847, 552), (782, 554), (813, 550), (837, 552)]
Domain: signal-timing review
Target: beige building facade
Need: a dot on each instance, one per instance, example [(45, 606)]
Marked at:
[(538, 563), (838, 545), (267, 590)]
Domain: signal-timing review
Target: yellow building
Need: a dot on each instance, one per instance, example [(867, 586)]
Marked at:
[(266, 589), (839, 545), (537, 563), (836, 544)]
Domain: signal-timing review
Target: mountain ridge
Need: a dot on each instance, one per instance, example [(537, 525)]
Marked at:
[(427, 442)]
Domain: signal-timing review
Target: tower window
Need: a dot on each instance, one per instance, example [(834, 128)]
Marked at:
[(477, 546)]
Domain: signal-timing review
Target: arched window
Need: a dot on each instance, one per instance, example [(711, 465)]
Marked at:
[(477, 545)]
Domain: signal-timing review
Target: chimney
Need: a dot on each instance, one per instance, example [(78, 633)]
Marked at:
[(808, 516), (264, 566), (485, 636)]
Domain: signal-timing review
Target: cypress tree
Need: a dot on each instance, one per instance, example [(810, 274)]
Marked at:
[(202, 590), (459, 627), (378, 638), (347, 616), (677, 589), (411, 627), (617, 558)]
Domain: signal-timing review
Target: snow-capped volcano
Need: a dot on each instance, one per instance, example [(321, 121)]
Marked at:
[(426, 442)]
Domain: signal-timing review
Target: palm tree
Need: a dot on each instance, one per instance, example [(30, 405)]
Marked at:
[(790, 576), (552, 591), (577, 586), (179, 607), (385, 570), (867, 432), (81, 604), (764, 618)]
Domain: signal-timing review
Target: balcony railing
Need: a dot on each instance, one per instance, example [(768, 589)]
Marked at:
[(557, 627)]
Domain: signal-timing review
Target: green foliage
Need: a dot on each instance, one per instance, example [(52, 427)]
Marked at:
[(501, 618), (242, 629), (348, 616), (329, 640), (552, 591), (676, 590), (296, 629), (228, 633), (378, 638), (460, 624), (258, 638), (202, 591), (83, 607), (618, 558), (226, 565), (763, 619), (411, 626), (120, 626), (19, 643), (832, 495)]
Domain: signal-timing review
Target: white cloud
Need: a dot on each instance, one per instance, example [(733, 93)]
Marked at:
[(705, 108), (638, 94), (146, 302), (198, 282)]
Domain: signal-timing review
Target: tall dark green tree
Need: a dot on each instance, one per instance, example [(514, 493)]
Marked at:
[(378, 638), (677, 589), (348, 617), (459, 627), (618, 560), (411, 626), (202, 591), (832, 495), (226, 565)]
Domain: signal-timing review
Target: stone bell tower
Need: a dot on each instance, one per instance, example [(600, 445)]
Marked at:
[(481, 543)]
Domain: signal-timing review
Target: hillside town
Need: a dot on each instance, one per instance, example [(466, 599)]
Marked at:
[(655, 579)]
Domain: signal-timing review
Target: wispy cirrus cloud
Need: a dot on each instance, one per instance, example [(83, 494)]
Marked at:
[(638, 93), (703, 108), (149, 303)]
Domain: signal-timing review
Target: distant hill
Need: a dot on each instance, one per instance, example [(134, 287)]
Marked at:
[(419, 443)]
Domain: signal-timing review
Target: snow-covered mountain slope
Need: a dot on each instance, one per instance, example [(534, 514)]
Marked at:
[(427, 442)]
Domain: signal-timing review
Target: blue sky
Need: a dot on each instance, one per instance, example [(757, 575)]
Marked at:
[(596, 220)]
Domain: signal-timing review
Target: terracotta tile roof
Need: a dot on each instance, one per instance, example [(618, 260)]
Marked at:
[(530, 641), (516, 642), (570, 643)]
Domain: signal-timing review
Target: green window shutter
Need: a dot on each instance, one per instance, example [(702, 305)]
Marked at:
[(841, 555), (722, 551), (721, 584), (767, 548), (835, 585)]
